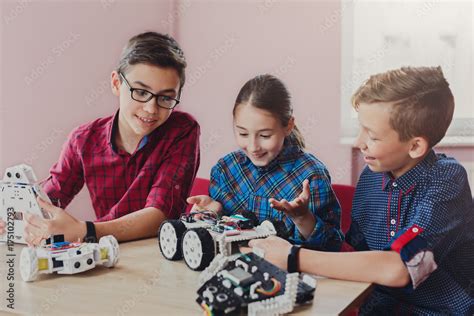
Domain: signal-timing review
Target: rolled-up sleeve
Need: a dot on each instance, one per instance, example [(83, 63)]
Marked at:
[(435, 230), (66, 176)]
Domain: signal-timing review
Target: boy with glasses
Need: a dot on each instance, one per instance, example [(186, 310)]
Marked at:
[(138, 164)]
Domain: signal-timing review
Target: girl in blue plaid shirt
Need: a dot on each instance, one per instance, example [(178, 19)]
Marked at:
[(271, 175)]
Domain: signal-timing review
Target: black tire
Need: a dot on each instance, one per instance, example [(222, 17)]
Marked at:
[(170, 246), (198, 248)]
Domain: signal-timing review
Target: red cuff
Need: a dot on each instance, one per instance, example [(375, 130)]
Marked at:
[(406, 237)]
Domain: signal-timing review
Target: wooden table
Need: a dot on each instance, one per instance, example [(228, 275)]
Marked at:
[(143, 283)]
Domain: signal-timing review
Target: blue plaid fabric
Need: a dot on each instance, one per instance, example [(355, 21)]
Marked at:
[(240, 185), (434, 197)]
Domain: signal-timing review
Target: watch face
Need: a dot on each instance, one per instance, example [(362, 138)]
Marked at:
[(90, 239)]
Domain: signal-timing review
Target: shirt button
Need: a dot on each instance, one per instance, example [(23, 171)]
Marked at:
[(176, 186), (392, 233), (393, 221), (414, 229), (394, 184)]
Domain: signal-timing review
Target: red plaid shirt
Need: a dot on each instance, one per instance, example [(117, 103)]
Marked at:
[(158, 174)]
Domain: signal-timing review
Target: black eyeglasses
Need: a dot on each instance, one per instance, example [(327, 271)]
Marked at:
[(142, 95)]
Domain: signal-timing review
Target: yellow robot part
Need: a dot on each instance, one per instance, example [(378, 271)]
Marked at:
[(42, 264), (104, 253)]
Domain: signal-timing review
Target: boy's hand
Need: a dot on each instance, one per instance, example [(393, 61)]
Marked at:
[(3, 227), (296, 209), (204, 203), (38, 228), (275, 250)]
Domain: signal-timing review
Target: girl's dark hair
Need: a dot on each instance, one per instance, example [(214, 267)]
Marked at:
[(268, 93), (154, 49)]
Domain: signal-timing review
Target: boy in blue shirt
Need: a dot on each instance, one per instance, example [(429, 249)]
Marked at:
[(413, 215)]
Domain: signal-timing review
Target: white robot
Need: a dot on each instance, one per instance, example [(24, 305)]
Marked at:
[(198, 241), (18, 192), (67, 258)]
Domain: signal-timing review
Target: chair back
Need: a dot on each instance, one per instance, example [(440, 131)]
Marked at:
[(344, 194), (200, 187)]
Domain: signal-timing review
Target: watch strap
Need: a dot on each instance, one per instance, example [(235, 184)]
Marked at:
[(293, 259), (91, 235)]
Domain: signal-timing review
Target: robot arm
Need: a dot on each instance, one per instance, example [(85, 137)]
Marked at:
[(18, 193)]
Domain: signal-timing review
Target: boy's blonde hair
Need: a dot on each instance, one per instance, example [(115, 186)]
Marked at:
[(420, 97)]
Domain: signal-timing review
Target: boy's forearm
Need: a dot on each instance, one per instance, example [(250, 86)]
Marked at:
[(381, 267), (140, 224)]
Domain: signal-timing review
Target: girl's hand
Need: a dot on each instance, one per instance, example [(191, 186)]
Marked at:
[(296, 209), (204, 203)]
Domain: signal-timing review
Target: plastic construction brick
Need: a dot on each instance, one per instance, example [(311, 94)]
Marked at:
[(248, 283)]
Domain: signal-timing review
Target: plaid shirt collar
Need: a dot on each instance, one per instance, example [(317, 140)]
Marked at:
[(408, 180), (284, 159)]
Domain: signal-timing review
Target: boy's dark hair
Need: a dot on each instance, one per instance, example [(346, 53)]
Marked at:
[(268, 93), (422, 102), (154, 49)]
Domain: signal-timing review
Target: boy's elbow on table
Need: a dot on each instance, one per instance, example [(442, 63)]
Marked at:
[(395, 276)]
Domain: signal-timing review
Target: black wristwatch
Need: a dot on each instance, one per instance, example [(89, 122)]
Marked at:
[(91, 235), (293, 258)]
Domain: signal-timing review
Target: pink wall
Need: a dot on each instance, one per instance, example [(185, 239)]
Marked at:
[(228, 42), (56, 59)]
